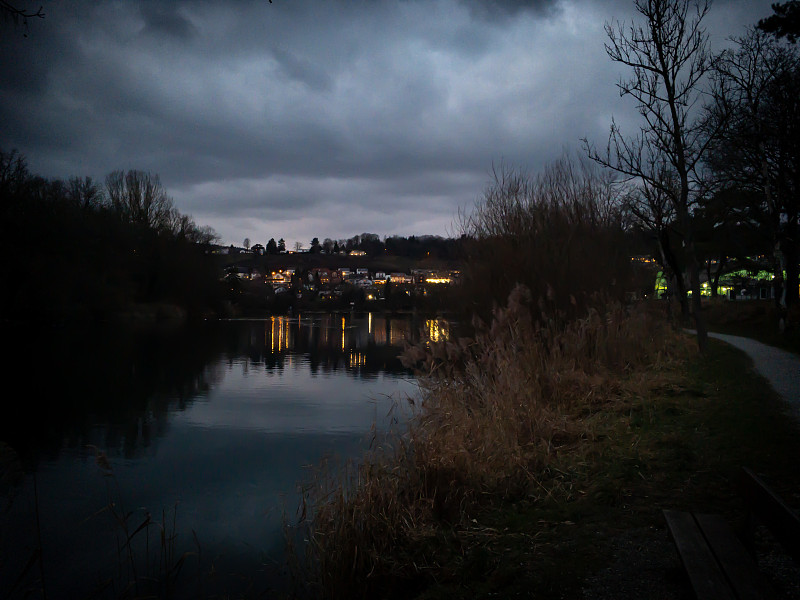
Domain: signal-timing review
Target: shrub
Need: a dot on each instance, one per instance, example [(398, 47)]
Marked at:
[(560, 234)]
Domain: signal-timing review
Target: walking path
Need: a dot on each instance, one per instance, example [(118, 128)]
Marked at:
[(779, 367)]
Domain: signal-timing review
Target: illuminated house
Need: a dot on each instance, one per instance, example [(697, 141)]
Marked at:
[(325, 275), (400, 278), (437, 278), (248, 273), (279, 278)]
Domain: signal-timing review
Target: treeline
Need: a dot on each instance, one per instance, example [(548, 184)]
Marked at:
[(78, 250), (714, 161), (707, 185), (415, 247)]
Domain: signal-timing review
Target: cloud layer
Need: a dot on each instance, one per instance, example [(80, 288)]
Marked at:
[(301, 119)]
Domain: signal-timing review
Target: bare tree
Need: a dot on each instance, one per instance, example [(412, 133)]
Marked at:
[(559, 233), (139, 198), (14, 174), (653, 212), (668, 55), (246, 243), (17, 14), (84, 193)]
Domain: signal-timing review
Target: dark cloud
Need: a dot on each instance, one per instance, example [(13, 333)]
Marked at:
[(300, 69), (319, 118), (165, 19), (507, 9)]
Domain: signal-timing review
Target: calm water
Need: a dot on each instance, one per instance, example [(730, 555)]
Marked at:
[(214, 428)]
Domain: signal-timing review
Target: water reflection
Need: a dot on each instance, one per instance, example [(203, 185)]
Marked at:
[(221, 419), (129, 382), (361, 344)]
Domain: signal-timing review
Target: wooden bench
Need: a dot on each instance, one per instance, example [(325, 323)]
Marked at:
[(766, 507), (720, 564)]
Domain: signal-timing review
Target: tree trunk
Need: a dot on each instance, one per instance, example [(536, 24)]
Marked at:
[(709, 277), (790, 254), (694, 269), (697, 305), (671, 261), (723, 260)]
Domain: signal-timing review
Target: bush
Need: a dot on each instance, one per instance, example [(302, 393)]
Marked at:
[(560, 234)]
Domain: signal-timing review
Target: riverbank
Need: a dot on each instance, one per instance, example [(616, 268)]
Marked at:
[(671, 433)]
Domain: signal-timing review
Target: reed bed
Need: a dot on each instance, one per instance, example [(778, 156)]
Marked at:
[(498, 417)]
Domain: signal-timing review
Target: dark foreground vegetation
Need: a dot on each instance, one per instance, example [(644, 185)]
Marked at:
[(80, 251), (753, 319), (541, 468), (547, 441), (75, 251)]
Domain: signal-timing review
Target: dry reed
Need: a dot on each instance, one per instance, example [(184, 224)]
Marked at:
[(495, 415)]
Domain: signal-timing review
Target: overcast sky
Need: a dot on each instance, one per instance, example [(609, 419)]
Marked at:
[(324, 118)]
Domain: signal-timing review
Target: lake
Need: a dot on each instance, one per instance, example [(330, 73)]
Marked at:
[(209, 430)]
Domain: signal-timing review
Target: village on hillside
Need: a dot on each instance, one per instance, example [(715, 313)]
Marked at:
[(335, 280), (353, 278)]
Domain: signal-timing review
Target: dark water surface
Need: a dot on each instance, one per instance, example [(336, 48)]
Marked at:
[(208, 429)]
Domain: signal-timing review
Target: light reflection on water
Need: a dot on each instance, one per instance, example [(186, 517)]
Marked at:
[(295, 400), (222, 424)]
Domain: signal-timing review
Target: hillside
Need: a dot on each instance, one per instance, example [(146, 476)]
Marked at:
[(305, 261)]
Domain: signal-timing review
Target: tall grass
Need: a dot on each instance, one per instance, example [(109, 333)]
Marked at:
[(148, 563), (498, 412), (495, 415)]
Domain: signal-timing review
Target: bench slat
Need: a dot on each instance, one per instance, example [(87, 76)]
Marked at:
[(707, 580), (772, 511), (738, 566)]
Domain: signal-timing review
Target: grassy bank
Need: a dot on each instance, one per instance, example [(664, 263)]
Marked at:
[(755, 319), (536, 449)]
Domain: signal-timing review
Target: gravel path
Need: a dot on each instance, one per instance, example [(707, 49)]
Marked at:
[(779, 367)]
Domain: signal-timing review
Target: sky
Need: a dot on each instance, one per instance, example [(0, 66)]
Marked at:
[(327, 118)]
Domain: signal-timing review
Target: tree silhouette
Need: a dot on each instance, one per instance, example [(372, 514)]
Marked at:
[(139, 198), (669, 57), (785, 22), (17, 14), (757, 106)]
